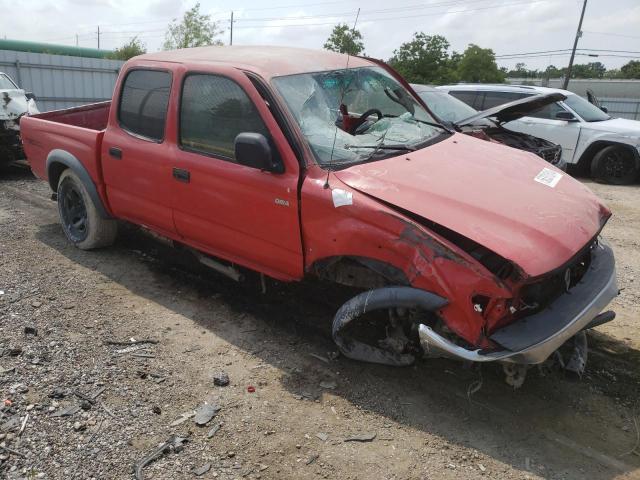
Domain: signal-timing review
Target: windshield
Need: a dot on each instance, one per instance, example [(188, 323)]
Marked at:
[(328, 107), (588, 112), (447, 107), (6, 83)]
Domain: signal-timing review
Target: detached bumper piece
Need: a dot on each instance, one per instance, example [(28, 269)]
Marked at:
[(379, 299), (531, 340)]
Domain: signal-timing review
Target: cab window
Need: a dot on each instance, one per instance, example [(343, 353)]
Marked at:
[(213, 111), (548, 112), (143, 103)]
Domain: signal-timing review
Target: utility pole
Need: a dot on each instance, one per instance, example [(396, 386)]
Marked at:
[(575, 45), (99, 36), (231, 30), (76, 39)]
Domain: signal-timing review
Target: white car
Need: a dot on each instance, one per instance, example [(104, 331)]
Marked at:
[(591, 139), (14, 103)]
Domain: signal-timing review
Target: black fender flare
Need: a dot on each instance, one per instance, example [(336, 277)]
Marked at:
[(381, 298), (61, 157)]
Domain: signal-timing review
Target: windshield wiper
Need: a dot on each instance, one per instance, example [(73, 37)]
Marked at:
[(383, 147)]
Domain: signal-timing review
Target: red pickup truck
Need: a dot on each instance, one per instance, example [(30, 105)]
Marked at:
[(295, 162)]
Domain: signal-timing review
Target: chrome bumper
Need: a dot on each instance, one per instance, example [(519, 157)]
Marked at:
[(585, 301)]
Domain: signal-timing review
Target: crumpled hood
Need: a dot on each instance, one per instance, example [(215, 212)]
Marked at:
[(621, 126), (487, 193), (14, 104)]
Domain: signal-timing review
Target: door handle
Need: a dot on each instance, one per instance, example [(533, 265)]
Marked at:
[(181, 175), (115, 152)]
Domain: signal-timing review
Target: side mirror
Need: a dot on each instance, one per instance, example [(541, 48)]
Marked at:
[(30, 96), (564, 115), (604, 109), (253, 150)]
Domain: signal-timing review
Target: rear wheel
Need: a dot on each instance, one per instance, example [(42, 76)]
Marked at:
[(615, 165), (81, 222)]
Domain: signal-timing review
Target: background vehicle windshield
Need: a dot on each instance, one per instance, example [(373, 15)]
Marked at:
[(314, 100), (588, 112), (6, 83), (447, 107)]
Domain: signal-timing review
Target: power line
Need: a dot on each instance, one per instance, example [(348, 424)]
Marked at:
[(567, 50), (421, 6), (383, 19), (611, 34)]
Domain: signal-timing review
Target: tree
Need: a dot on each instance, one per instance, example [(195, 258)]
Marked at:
[(631, 69), (129, 50), (194, 30), (478, 65), (425, 59), (345, 40), (588, 70)]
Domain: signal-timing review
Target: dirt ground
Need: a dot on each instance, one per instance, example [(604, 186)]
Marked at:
[(436, 419)]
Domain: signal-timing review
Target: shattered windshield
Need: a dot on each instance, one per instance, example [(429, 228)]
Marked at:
[(356, 115), (6, 83)]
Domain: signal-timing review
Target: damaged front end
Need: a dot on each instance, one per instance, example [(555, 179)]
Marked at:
[(532, 338), (544, 314), (14, 104)]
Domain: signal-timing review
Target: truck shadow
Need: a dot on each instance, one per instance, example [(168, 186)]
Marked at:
[(555, 426)]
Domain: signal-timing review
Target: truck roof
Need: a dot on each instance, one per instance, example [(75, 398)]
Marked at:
[(267, 61)]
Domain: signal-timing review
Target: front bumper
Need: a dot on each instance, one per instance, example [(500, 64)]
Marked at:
[(533, 339)]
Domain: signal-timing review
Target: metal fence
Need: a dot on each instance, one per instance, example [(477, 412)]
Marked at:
[(621, 97), (60, 81)]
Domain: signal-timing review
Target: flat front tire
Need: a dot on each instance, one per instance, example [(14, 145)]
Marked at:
[(615, 165), (81, 222)]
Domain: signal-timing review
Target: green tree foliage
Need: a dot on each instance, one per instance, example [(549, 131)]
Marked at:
[(425, 59), (194, 30), (131, 49), (631, 69), (588, 70), (345, 40), (478, 65)]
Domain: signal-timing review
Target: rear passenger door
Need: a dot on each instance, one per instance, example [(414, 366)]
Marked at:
[(234, 211), (136, 158)]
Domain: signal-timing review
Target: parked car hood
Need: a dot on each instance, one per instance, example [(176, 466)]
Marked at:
[(14, 103), (487, 193), (508, 112), (621, 126)]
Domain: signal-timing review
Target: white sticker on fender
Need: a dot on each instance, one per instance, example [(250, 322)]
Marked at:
[(548, 177), (341, 197)]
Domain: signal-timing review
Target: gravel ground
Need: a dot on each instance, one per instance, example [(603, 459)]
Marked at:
[(77, 406)]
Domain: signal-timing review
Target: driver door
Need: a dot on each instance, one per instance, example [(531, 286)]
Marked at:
[(230, 210)]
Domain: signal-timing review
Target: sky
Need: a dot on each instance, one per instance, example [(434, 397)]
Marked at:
[(506, 26)]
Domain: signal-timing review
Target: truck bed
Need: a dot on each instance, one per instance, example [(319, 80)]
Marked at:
[(77, 130)]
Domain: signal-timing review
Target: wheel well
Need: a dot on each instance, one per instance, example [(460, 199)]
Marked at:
[(360, 272), (584, 164), (55, 170)]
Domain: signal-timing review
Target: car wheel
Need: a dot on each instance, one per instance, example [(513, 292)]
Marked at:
[(615, 165), (81, 223)]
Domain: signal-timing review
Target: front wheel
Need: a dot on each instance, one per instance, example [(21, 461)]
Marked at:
[(81, 222), (615, 165)]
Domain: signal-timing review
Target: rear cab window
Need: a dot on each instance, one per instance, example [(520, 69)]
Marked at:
[(144, 99)]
